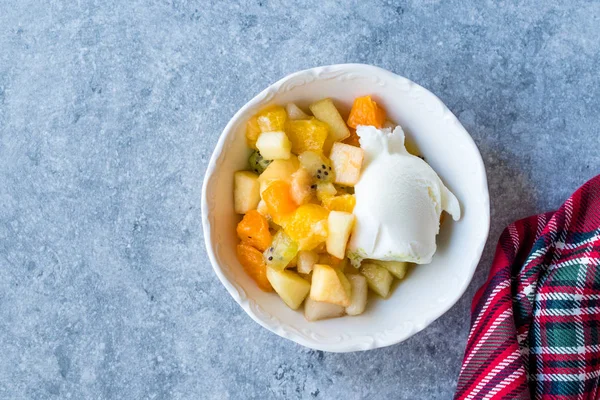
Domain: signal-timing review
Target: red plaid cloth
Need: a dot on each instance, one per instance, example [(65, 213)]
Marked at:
[(535, 326)]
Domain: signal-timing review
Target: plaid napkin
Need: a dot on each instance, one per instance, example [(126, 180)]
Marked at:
[(535, 325)]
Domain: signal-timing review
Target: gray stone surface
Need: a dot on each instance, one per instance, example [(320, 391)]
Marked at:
[(109, 111)]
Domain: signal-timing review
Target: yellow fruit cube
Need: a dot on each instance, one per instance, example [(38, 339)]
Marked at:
[(291, 287), (317, 310), (326, 111), (308, 226), (330, 285), (307, 135), (246, 193), (396, 268), (346, 161), (278, 170), (339, 228), (252, 132), (358, 300), (272, 119), (379, 279), (345, 202), (295, 112)]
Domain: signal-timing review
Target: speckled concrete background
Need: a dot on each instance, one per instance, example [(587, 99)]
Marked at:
[(109, 111)]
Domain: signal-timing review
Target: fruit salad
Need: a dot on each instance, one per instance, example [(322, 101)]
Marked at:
[(297, 199)]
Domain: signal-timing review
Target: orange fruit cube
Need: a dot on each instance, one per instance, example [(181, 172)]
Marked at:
[(279, 198), (253, 230), (366, 112), (252, 132), (272, 119), (254, 264), (307, 135), (345, 202), (308, 226)]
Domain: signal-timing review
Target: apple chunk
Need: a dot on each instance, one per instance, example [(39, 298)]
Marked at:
[(326, 111), (294, 112), (292, 288), (339, 224), (316, 310), (306, 260), (379, 279), (246, 191), (330, 285), (346, 161), (358, 301), (274, 146), (396, 268)]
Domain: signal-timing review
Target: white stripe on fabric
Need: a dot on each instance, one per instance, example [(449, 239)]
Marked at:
[(495, 371), (565, 349), (504, 383), (505, 314), (568, 377), (501, 286)]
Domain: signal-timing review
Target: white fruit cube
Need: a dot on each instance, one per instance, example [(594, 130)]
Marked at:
[(326, 111), (358, 301), (396, 268), (330, 285), (379, 279), (339, 226), (346, 161), (306, 261), (246, 191), (291, 287), (316, 310), (294, 112), (274, 146)]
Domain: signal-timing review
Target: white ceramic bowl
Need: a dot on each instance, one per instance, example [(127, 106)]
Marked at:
[(429, 290)]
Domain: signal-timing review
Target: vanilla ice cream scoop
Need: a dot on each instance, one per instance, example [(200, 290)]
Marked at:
[(399, 199)]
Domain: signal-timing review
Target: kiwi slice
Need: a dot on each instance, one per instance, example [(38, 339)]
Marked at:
[(257, 163)]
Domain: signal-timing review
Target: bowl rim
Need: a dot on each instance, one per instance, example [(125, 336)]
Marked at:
[(300, 339)]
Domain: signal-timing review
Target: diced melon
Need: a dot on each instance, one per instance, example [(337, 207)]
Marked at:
[(278, 170), (396, 268), (274, 145), (346, 161), (291, 287), (326, 111), (246, 191), (294, 112), (301, 184), (358, 300), (379, 279), (317, 310), (330, 285), (281, 252), (339, 226), (306, 260)]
